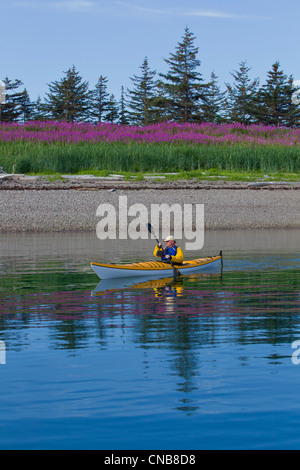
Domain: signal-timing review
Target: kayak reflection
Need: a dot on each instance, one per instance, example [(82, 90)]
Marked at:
[(165, 287)]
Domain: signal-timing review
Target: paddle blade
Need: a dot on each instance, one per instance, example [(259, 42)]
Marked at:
[(150, 229)]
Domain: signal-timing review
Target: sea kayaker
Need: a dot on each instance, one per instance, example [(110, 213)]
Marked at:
[(170, 254)]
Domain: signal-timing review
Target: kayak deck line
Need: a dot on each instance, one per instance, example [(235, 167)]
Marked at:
[(158, 265)]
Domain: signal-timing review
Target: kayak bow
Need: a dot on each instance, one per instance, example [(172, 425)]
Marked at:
[(153, 268)]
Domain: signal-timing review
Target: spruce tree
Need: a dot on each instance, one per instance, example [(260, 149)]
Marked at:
[(11, 110), (183, 85), (69, 99), (274, 103), (160, 104), (39, 111), (26, 106), (123, 114), (112, 114), (214, 106), (242, 96), (141, 96), (2, 96), (100, 99)]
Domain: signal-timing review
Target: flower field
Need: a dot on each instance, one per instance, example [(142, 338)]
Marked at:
[(205, 134), (64, 147)]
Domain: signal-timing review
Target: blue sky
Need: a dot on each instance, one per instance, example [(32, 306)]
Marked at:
[(43, 38)]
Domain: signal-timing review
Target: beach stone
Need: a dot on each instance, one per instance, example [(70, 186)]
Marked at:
[(59, 210)]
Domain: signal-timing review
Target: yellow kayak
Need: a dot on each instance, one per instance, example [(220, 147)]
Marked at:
[(154, 268)]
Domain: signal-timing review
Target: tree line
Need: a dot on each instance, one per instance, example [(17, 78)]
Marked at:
[(180, 95)]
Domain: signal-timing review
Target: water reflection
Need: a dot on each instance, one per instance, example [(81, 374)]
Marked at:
[(164, 287), (165, 317), (189, 330)]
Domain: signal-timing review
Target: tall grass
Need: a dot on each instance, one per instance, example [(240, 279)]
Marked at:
[(59, 147), (141, 157)]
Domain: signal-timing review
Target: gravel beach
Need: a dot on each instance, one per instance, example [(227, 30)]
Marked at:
[(71, 207)]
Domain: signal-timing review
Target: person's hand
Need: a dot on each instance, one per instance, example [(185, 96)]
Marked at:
[(159, 245), (167, 256)]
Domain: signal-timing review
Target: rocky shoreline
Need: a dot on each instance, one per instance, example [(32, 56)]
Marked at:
[(70, 205), (21, 182)]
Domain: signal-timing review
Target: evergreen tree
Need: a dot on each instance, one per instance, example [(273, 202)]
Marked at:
[(100, 99), (39, 111), (123, 114), (140, 98), (160, 104), (274, 101), (183, 85), (11, 110), (69, 99), (112, 114), (2, 97), (242, 96), (26, 106), (214, 106)]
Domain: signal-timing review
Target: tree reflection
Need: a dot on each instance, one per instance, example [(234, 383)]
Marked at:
[(183, 319)]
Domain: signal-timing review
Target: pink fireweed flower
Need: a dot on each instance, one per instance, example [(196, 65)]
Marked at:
[(52, 132)]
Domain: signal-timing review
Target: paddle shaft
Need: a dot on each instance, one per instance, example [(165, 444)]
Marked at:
[(175, 270), (150, 229)]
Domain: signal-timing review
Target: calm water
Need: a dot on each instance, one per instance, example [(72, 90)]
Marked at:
[(201, 363)]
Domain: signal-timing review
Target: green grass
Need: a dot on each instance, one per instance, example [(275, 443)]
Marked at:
[(227, 175), (196, 175), (190, 161)]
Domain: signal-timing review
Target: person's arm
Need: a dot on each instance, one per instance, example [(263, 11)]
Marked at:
[(157, 251), (179, 256)]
